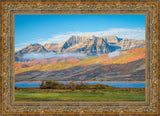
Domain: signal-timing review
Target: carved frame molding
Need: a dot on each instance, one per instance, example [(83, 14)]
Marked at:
[(10, 9)]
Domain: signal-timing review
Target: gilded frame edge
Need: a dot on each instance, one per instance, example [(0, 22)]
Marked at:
[(119, 112)]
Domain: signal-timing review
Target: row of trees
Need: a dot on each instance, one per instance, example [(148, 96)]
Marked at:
[(71, 85)]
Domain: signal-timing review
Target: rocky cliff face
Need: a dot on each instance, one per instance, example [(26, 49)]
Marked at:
[(51, 46), (127, 44), (28, 49), (88, 44)]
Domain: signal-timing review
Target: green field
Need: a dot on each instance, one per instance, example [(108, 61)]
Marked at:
[(116, 94)]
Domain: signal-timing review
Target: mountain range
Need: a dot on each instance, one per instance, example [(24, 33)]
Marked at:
[(89, 45)]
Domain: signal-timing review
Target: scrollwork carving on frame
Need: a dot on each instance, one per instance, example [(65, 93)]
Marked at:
[(12, 8)]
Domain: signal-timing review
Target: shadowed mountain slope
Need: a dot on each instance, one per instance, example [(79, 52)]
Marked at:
[(127, 66)]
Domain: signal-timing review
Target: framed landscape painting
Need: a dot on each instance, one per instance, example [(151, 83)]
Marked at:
[(79, 58), (85, 57)]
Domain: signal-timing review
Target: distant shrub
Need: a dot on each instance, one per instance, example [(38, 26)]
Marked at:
[(71, 85), (50, 85)]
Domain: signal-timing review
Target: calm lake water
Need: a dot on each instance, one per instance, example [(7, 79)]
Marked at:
[(113, 84)]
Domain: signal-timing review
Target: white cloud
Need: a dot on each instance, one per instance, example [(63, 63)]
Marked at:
[(138, 34), (114, 54), (33, 55)]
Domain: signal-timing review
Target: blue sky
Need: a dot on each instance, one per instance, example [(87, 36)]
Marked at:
[(57, 28)]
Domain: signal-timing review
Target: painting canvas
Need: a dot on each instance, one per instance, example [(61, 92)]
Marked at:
[(80, 57)]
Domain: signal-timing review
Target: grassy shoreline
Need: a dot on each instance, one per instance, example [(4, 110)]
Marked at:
[(114, 94)]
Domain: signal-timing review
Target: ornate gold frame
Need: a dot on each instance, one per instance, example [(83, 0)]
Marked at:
[(9, 9)]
